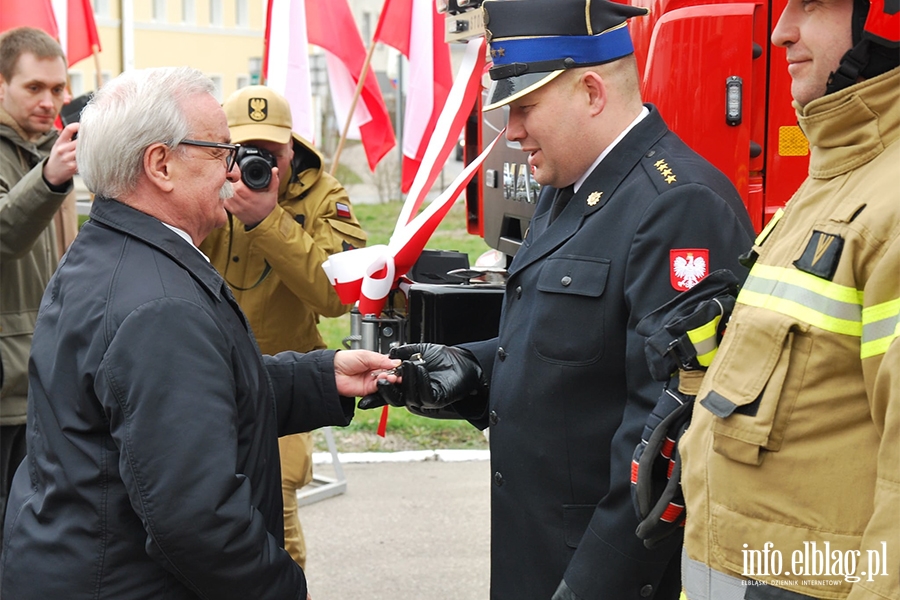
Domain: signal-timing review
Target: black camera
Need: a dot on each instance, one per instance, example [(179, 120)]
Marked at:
[(256, 166), (71, 112)]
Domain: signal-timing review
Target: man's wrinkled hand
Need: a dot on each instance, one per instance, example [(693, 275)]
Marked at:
[(356, 371)]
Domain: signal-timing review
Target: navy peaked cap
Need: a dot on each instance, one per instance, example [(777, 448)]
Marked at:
[(533, 41), (519, 18)]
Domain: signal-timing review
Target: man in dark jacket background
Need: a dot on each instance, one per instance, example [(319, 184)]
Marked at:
[(152, 468), (629, 216), (37, 163)]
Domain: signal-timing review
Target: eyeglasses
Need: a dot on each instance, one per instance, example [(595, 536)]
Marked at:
[(231, 148)]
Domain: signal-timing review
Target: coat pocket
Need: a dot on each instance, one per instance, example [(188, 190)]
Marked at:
[(16, 332), (570, 310), (740, 538), (753, 393), (352, 234), (576, 518)]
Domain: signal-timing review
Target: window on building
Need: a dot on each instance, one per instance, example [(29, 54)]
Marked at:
[(76, 83), (367, 27), (159, 10), (243, 81), (188, 12), (215, 12), (254, 66), (101, 8), (217, 81), (105, 77), (242, 13)]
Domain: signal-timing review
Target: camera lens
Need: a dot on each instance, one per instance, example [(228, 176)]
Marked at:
[(256, 166), (256, 173)]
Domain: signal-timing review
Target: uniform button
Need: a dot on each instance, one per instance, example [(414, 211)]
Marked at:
[(501, 353), (566, 280), (646, 591), (494, 418), (518, 292), (235, 258), (498, 479)]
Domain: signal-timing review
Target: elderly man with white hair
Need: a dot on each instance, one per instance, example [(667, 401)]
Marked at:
[(152, 467)]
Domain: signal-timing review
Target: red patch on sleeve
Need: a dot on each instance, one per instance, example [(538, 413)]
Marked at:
[(687, 266), (343, 210)]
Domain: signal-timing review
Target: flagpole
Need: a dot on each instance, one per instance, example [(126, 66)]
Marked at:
[(95, 50), (359, 88)]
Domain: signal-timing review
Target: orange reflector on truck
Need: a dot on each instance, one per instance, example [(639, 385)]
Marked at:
[(792, 142)]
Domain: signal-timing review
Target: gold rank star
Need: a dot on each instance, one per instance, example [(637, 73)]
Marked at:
[(495, 52), (594, 198), (665, 170)]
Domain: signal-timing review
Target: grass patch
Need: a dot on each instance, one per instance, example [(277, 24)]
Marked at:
[(378, 221), (347, 176), (405, 431)]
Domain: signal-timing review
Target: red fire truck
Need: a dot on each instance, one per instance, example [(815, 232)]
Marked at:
[(709, 68)]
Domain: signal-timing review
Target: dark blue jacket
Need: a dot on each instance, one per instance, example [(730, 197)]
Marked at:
[(570, 387), (153, 467)]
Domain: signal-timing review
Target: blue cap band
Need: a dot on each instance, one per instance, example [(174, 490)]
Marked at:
[(582, 49)]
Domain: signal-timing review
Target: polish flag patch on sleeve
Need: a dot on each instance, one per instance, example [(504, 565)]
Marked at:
[(343, 210), (687, 266)]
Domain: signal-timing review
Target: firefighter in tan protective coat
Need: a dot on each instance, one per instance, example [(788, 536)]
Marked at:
[(792, 460), (271, 253)]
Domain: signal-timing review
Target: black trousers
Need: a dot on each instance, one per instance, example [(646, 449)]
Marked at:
[(12, 451)]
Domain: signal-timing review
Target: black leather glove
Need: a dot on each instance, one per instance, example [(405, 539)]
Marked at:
[(432, 377)]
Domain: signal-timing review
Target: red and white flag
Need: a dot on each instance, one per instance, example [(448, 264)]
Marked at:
[(286, 61), (416, 29), (465, 91), (328, 24), (28, 13), (78, 38)]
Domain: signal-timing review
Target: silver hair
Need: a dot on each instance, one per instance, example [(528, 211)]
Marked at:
[(136, 109)]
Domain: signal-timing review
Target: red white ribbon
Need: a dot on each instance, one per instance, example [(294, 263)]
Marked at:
[(367, 275), (466, 89)]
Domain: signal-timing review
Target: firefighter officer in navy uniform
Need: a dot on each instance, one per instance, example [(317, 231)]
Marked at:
[(628, 217)]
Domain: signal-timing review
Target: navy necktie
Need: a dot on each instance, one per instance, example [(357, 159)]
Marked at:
[(563, 195)]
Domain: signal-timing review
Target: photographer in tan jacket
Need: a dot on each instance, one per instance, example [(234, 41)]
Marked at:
[(271, 251)]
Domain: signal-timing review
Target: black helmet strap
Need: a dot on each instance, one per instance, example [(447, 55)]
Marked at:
[(866, 59), (850, 69)]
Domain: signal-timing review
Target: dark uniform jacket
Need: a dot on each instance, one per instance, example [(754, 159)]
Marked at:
[(152, 467), (570, 386)]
